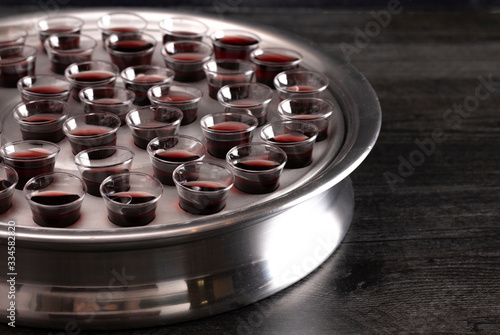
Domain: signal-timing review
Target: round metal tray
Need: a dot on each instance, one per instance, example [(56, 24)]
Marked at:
[(183, 266)]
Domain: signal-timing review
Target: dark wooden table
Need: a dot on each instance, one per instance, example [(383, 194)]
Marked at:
[(422, 255)]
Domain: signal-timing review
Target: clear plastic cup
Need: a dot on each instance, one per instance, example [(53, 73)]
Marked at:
[(250, 96), (120, 22), (181, 28), (315, 110), (94, 73), (139, 79), (89, 130), (55, 199), (131, 198), (149, 122), (42, 119), (203, 187), (16, 62), (12, 36), (183, 96), (8, 182), (96, 164), (223, 131), (300, 84), (44, 87), (104, 99), (272, 61), (257, 167), (186, 59), (29, 158), (295, 138), (58, 25), (234, 44), (168, 152), (227, 71), (66, 49)]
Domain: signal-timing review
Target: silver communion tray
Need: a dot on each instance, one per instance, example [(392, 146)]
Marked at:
[(183, 266)]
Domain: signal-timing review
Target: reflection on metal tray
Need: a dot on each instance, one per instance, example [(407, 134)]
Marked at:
[(183, 266)]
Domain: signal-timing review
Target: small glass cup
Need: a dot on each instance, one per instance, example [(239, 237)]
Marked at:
[(8, 182), (234, 44), (251, 96), (168, 152), (203, 187), (223, 131), (93, 73), (131, 198), (42, 119), (55, 199), (148, 122), (186, 59), (58, 25), (300, 84), (185, 97), (182, 28), (104, 99), (66, 49), (130, 49), (295, 138), (29, 158), (256, 167), (272, 61), (16, 62), (315, 110), (89, 130), (120, 22), (96, 164), (227, 71), (44, 87), (139, 79), (12, 36)]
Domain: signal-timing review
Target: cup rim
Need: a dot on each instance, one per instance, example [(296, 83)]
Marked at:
[(22, 87), (219, 165), (125, 13), (261, 144), (14, 184), (112, 69), (80, 163), (79, 21), (197, 98), (106, 114), (24, 58), (261, 51), (251, 66), (64, 114), (163, 28), (311, 139), (167, 79), (251, 127), (169, 57), (266, 88), (150, 38), (315, 117), (215, 39), (48, 45), (55, 150), (159, 138), (85, 100), (130, 123), (79, 200), (285, 89), (23, 33), (157, 194)]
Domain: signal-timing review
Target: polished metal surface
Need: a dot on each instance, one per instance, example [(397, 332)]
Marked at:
[(183, 266)]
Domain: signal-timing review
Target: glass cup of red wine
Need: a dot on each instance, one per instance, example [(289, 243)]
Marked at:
[(272, 61), (89, 130), (234, 44), (42, 119), (120, 22), (131, 198), (249, 96), (295, 138), (300, 84), (183, 96), (203, 187), (66, 49), (104, 99), (96, 164), (12, 36), (93, 73), (257, 167), (227, 71), (44, 87), (168, 152), (140, 78), (58, 25), (181, 28), (16, 62), (55, 199), (8, 182), (130, 49), (29, 158), (148, 122), (223, 131), (186, 59), (315, 110)]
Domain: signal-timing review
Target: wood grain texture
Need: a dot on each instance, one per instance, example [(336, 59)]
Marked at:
[(422, 256)]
